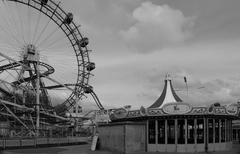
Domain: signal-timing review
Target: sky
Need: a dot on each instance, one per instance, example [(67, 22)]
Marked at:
[(135, 43)]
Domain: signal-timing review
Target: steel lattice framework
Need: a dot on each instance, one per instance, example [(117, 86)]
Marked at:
[(27, 100), (78, 42)]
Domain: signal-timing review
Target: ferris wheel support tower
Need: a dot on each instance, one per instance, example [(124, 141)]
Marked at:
[(25, 82)]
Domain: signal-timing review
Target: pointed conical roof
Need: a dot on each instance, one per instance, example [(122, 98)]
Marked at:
[(168, 95)]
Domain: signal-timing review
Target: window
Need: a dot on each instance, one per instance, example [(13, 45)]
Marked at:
[(227, 131), (190, 131), (217, 130), (238, 134), (210, 130), (161, 131), (151, 132), (230, 122), (223, 135), (181, 131), (230, 131), (171, 131), (234, 134), (200, 131)]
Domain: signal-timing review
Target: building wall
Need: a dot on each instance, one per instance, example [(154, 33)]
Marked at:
[(135, 138), (111, 137), (124, 137)]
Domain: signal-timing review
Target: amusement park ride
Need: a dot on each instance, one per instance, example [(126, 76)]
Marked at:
[(26, 80)]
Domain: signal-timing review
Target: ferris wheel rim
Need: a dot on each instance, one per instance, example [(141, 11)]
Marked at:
[(73, 34)]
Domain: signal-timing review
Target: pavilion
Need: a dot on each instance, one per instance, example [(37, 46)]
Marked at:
[(170, 125)]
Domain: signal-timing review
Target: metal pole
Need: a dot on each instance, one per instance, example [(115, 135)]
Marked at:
[(37, 100)]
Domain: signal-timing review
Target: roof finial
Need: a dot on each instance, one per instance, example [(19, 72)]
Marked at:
[(168, 77)]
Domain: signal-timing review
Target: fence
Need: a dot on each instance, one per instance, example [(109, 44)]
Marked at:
[(39, 142)]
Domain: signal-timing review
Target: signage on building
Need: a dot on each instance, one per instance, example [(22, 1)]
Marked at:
[(143, 111), (120, 113), (232, 109), (177, 108), (102, 116), (219, 110)]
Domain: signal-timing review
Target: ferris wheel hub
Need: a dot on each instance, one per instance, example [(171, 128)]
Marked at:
[(30, 53), (37, 33)]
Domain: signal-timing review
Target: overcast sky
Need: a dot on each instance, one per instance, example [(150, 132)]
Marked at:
[(136, 42)]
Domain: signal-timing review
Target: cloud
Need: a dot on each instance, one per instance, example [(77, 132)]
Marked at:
[(157, 26), (199, 92), (138, 78)]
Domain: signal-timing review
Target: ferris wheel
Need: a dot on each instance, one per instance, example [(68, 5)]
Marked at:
[(40, 42)]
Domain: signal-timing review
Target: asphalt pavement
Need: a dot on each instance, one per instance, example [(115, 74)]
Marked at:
[(85, 149)]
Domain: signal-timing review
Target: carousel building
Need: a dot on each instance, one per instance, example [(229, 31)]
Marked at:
[(236, 131), (170, 125)]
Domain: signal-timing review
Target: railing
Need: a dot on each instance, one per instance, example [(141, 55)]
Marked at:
[(39, 142)]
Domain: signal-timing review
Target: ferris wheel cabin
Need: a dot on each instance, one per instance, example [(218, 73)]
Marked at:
[(38, 38), (170, 125)]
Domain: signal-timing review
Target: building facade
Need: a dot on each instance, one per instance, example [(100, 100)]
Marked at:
[(171, 125), (236, 131)]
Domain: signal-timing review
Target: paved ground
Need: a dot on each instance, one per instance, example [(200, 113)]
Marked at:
[(76, 149), (85, 149)]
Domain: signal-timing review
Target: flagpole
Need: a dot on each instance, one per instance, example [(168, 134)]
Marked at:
[(185, 80)]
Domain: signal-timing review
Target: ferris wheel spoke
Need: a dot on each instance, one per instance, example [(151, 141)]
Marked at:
[(37, 25), (14, 38), (22, 27), (50, 35), (7, 20), (42, 31), (14, 22), (55, 42), (29, 23), (61, 47), (49, 31), (8, 31), (30, 19), (8, 46), (8, 49)]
